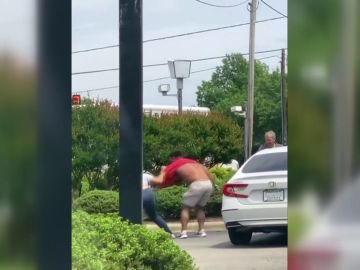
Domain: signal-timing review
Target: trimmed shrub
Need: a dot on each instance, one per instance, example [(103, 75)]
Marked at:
[(104, 242), (221, 175), (98, 201), (169, 201), (214, 137)]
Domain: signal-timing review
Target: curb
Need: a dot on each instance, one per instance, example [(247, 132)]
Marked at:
[(211, 225)]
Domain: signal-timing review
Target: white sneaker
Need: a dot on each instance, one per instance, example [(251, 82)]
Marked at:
[(173, 236), (183, 236), (201, 234)]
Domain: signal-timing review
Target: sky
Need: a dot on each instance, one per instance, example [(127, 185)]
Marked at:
[(94, 24)]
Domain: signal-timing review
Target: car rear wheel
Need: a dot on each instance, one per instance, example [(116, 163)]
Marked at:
[(239, 237)]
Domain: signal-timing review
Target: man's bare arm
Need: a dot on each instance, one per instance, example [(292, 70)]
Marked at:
[(158, 180)]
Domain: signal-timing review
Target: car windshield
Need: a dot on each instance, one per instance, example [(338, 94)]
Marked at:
[(267, 163)]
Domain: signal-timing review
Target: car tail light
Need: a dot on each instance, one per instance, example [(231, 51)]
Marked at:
[(313, 260), (235, 190)]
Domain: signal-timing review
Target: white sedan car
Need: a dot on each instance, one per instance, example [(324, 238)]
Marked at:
[(255, 198)]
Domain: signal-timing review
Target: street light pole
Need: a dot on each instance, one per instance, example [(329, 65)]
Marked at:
[(179, 69), (179, 85), (250, 104)]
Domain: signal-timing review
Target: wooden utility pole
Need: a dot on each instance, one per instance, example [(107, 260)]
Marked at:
[(250, 103), (284, 118)]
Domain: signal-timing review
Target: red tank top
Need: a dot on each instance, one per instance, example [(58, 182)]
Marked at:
[(170, 170)]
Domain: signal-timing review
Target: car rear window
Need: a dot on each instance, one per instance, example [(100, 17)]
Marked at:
[(267, 163)]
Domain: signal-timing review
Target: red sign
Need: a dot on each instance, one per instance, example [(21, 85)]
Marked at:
[(76, 99)]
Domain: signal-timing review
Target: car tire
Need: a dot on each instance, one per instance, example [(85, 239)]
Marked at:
[(239, 237)]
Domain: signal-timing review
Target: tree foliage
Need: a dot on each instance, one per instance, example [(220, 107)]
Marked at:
[(95, 136), (95, 141), (228, 87), (213, 136)]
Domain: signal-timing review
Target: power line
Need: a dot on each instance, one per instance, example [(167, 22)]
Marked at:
[(151, 80), (160, 78), (181, 35), (96, 89), (273, 8), (267, 57), (114, 69), (220, 6), (164, 64), (223, 56), (94, 71), (157, 79)]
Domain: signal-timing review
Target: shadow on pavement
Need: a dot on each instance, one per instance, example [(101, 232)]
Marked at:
[(259, 240)]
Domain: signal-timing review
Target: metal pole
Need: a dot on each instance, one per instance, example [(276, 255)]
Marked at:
[(246, 138), (53, 220), (250, 107), (283, 99), (179, 84), (130, 157)]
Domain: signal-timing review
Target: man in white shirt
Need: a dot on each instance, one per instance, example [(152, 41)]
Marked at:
[(270, 141)]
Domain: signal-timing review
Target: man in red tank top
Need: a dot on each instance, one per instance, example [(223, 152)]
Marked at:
[(200, 186)]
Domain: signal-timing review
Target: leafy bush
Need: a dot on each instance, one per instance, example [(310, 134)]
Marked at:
[(105, 242), (221, 176), (98, 201), (169, 201), (213, 136), (95, 144)]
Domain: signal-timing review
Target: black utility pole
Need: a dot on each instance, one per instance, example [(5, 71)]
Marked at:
[(130, 158), (54, 136)]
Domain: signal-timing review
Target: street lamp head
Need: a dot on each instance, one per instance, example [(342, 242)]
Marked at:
[(164, 88), (238, 110), (179, 69)]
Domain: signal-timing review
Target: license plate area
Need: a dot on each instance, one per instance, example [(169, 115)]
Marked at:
[(273, 195)]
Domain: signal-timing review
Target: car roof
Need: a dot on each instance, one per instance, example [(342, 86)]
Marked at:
[(278, 149)]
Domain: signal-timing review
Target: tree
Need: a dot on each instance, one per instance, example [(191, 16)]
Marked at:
[(214, 136), (95, 143), (228, 87)]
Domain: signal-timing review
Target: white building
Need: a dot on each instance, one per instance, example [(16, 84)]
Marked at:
[(158, 110)]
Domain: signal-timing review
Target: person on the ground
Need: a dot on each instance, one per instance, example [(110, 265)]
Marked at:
[(270, 141), (200, 187), (149, 203)]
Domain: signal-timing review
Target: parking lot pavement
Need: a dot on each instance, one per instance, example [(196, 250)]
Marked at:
[(215, 252), (211, 224)]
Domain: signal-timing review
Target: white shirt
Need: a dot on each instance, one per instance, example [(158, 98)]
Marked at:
[(146, 179)]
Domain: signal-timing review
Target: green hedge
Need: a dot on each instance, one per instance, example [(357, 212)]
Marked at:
[(104, 242), (169, 200), (98, 201)]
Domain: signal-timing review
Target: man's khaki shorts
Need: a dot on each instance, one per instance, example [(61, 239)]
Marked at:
[(198, 193)]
